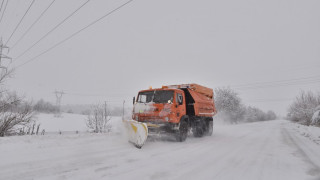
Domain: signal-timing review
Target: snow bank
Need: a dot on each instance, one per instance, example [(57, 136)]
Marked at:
[(310, 132), (316, 118)]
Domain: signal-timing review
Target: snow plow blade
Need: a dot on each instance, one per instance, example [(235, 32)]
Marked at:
[(137, 132)]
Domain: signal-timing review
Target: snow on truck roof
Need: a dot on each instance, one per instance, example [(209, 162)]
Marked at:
[(194, 87)]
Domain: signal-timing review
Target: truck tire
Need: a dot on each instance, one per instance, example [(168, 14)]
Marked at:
[(182, 134), (199, 128), (209, 128)]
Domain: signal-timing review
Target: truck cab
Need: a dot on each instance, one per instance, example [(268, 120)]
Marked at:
[(159, 106)]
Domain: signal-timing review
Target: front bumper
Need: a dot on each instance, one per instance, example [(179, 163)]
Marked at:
[(156, 127)]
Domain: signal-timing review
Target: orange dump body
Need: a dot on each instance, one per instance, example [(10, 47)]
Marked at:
[(195, 87), (203, 106)]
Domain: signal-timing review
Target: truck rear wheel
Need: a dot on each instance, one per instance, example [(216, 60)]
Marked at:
[(199, 128), (182, 134), (209, 128)]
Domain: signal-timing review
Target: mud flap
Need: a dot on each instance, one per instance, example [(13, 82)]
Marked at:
[(137, 132)]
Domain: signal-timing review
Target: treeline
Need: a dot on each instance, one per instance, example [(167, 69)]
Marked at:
[(231, 109), (305, 109), (45, 107)]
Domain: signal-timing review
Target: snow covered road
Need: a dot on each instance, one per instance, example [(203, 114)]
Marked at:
[(262, 150)]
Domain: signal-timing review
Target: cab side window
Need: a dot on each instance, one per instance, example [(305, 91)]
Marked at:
[(179, 98)]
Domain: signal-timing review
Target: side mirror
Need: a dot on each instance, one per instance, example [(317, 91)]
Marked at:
[(134, 99)]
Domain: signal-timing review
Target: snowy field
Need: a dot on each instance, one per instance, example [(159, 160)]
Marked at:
[(68, 123), (273, 150)]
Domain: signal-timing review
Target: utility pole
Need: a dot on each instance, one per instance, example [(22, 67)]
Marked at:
[(105, 110), (2, 56), (58, 101), (123, 110)]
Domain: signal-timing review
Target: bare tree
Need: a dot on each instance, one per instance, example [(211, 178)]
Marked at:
[(231, 109), (316, 117), (14, 112), (98, 119), (303, 108), (229, 105), (255, 114)]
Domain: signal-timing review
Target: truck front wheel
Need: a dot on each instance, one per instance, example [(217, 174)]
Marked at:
[(183, 131)]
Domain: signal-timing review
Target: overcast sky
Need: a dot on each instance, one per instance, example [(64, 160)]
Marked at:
[(267, 51)]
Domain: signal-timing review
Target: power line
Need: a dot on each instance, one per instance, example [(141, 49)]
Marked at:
[(15, 29), (89, 95), (269, 100), (11, 12), (279, 81), (288, 82), (49, 32), (112, 99), (74, 34), (5, 7), (33, 24), (303, 67), (97, 95), (284, 84), (281, 84), (1, 5)]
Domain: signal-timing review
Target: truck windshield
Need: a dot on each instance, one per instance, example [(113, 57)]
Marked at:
[(163, 96), (145, 97), (155, 96)]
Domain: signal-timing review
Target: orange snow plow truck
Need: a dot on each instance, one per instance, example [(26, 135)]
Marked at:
[(173, 109)]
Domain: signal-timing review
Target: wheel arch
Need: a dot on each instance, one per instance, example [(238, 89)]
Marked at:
[(185, 118)]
